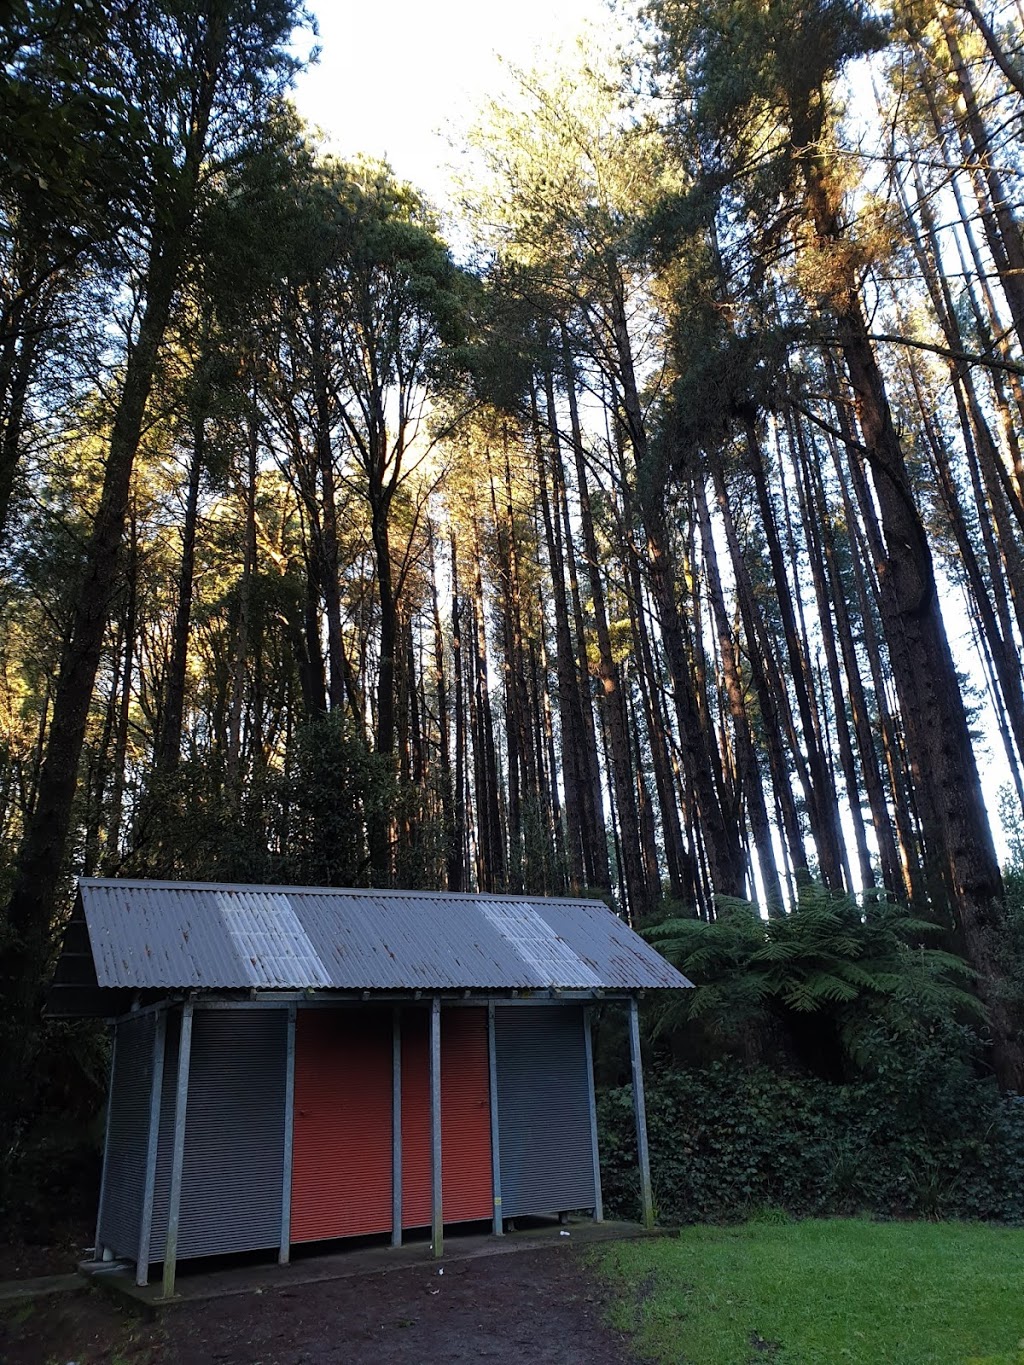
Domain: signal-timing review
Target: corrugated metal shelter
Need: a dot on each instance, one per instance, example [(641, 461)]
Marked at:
[(296, 1064)]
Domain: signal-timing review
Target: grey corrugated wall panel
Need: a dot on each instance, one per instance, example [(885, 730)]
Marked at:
[(543, 1110), (234, 1134), (128, 1129), (153, 935)]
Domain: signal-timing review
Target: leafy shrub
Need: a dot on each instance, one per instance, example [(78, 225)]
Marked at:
[(50, 1156), (922, 1137), (835, 983)]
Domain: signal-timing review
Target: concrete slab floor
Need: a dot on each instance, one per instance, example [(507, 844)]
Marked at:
[(196, 1281)]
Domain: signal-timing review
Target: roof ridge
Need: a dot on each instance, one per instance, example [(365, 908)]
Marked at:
[(159, 884)]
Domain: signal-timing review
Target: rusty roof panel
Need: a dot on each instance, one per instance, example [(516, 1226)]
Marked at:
[(178, 935)]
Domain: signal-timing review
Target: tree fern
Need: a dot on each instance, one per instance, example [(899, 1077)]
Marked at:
[(865, 970)]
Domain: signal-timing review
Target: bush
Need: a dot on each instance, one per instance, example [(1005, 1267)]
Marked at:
[(921, 1138), (50, 1155)]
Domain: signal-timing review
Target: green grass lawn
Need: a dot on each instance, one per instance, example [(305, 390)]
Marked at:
[(823, 1292)]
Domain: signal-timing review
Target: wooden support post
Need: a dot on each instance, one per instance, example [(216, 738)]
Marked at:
[(177, 1150), (396, 1127), (437, 1219), (97, 1250), (152, 1146), (498, 1225), (640, 1113), (285, 1251), (588, 1044)]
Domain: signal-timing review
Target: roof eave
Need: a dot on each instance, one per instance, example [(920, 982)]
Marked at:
[(225, 999)]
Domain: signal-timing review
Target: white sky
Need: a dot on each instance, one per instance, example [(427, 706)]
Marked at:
[(393, 74)]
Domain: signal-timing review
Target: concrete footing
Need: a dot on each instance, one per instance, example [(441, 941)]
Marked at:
[(197, 1281)]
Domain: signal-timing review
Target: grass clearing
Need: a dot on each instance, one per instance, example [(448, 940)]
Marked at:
[(823, 1291)]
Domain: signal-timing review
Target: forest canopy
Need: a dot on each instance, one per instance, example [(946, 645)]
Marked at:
[(664, 545)]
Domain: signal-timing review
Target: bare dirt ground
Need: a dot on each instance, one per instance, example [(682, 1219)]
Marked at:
[(542, 1307), (21, 1260)]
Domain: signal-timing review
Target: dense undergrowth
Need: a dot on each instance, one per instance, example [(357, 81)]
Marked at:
[(920, 1139)]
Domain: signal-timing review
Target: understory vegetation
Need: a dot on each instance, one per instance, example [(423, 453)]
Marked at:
[(827, 1063), (923, 1139)]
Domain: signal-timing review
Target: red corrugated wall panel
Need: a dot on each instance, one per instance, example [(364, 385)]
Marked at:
[(341, 1157), (466, 1188), (416, 1118)]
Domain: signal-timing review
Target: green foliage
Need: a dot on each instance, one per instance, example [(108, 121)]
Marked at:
[(50, 1158), (305, 826), (822, 1292), (334, 789), (864, 973), (922, 1137)]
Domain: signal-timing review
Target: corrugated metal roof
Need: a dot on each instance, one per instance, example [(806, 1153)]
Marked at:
[(178, 935)]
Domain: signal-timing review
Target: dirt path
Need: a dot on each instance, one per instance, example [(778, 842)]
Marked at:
[(542, 1307)]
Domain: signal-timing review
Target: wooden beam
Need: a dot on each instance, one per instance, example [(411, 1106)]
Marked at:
[(177, 1151), (152, 1146), (396, 1126), (437, 1218), (588, 1044), (285, 1250), (498, 1225), (640, 1114)]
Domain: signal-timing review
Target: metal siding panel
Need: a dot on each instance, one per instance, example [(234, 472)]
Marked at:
[(341, 1154), (234, 1134), (466, 1188), (416, 1119), (465, 1116), (543, 1110), (128, 1128)]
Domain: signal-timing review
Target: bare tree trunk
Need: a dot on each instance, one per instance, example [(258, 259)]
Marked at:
[(767, 685), (569, 703), (41, 859), (168, 745), (938, 739), (748, 773), (239, 669), (611, 691), (115, 814), (1001, 225), (824, 816), (595, 837)]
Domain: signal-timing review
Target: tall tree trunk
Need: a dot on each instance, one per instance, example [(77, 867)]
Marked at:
[(115, 814), (827, 626), (1002, 220), (41, 858), (749, 776), (677, 862), (569, 706), (938, 739), (892, 872), (240, 661), (822, 808), (612, 708), (168, 745), (595, 836), (768, 686), (457, 857)]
